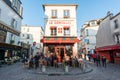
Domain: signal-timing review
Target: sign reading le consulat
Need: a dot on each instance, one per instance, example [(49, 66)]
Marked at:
[(61, 21)]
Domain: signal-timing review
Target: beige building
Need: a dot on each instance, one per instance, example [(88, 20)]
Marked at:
[(108, 37), (31, 34)]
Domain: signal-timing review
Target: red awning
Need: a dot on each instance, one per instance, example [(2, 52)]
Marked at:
[(110, 47), (60, 40)]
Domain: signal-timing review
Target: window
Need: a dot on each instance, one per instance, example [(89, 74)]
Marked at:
[(28, 37), (66, 14), (53, 31), (54, 14), (66, 31), (0, 12), (28, 30), (13, 23), (23, 35), (117, 38), (87, 33), (27, 42), (116, 23), (117, 54), (92, 23)]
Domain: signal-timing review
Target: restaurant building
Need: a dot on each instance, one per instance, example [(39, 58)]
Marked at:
[(60, 29)]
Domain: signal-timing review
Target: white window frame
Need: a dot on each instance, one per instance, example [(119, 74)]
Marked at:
[(54, 13), (66, 13), (66, 31)]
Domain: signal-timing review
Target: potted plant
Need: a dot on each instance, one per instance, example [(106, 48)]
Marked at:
[(12, 41)]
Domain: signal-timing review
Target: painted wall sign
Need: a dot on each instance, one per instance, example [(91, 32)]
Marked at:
[(60, 21)]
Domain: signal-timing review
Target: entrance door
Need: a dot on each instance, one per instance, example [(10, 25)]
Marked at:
[(60, 50), (111, 57)]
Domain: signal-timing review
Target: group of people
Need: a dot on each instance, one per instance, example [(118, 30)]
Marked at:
[(97, 59), (52, 59)]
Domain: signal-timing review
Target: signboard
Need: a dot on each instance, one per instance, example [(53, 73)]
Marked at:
[(60, 21)]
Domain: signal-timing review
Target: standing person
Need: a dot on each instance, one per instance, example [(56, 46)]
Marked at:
[(103, 61), (89, 56), (94, 57), (37, 60), (98, 60)]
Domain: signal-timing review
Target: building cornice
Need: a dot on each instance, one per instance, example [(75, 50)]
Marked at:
[(59, 5)]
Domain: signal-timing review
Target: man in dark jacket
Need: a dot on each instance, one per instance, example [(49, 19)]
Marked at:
[(103, 61), (37, 56), (98, 60)]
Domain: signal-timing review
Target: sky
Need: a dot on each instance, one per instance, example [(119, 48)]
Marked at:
[(87, 10)]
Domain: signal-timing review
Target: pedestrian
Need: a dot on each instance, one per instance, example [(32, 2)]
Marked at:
[(98, 60), (36, 58), (94, 57), (103, 61), (89, 55)]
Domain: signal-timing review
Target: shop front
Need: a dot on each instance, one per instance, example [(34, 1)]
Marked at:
[(59, 45), (8, 50), (112, 53)]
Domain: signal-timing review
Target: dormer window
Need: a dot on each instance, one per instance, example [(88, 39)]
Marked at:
[(92, 23)]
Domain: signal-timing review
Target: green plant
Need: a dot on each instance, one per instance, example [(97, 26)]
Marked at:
[(12, 41)]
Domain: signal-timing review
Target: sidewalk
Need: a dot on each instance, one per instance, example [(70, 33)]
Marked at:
[(52, 71)]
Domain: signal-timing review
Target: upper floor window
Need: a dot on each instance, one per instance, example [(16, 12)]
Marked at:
[(87, 33), (0, 12), (28, 36), (53, 31), (23, 35), (28, 30), (66, 14), (13, 23), (116, 23), (27, 42), (66, 31), (54, 13)]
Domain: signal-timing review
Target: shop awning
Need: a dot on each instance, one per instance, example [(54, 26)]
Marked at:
[(110, 47), (59, 40)]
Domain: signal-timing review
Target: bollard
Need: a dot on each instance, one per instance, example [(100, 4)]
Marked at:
[(66, 69), (43, 68)]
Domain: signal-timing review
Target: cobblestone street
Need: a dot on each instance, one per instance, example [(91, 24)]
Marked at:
[(17, 72)]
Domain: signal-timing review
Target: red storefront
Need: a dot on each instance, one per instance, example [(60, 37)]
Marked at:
[(112, 53), (60, 45)]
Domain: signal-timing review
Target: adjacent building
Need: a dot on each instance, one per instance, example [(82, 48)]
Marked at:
[(88, 36), (108, 38), (32, 34), (60, 29), (10, 26)]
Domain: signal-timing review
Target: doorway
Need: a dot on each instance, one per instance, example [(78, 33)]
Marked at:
[(60, 50), (111, 56)]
